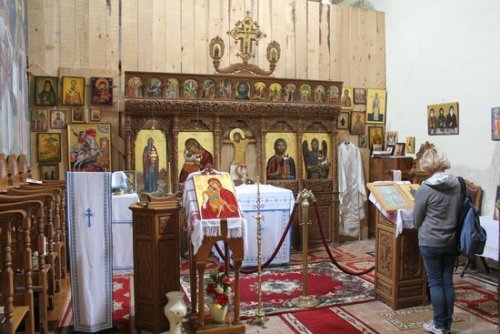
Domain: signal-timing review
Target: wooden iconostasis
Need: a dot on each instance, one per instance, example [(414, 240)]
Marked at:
[(172, 131)]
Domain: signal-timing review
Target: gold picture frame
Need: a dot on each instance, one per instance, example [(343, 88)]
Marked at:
[(73, 91), (216, 196), (391, 195), (49, 147), (375, 106), (89, 147), (410, 190)]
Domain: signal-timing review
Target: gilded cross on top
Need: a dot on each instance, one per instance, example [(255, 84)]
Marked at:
[(246, 32)]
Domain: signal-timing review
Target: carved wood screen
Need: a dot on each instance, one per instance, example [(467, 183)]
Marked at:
[(261, 109)]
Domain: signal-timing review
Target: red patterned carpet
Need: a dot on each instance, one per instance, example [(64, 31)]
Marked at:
[(334, 289), (477, 301), (280, 285), (121, 307)]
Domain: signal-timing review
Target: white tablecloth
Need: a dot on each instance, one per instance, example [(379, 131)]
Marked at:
[(276, 205), (121, 221), (491, 227)]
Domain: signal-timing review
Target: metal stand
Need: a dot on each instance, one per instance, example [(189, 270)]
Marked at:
[(260, 317), (305, 301)]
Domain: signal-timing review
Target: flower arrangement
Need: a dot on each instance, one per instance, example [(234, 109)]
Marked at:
[(219, 287)]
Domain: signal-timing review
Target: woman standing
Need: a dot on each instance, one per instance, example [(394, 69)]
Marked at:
[(437, 206)]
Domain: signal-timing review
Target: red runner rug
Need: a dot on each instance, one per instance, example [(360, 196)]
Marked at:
[(323, 321)]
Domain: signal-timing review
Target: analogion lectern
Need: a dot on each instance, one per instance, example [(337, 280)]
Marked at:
[(203, 234), (400, 278)]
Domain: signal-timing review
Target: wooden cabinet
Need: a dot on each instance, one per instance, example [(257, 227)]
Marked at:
[(156, 261), (400, 278), (381, 170)]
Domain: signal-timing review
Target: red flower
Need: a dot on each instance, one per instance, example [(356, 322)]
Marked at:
[(219, 286), (222, 299), (211, 288)]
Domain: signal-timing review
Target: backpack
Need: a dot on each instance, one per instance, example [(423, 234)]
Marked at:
[(471, 236)]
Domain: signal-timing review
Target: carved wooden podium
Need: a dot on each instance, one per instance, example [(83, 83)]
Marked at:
[(156, 261), (400, 278)]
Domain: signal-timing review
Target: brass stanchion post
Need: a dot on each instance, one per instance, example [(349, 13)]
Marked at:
[(260, 317), (305, 301)]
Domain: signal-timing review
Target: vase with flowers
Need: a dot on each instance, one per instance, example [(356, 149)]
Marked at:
[(218, 287)]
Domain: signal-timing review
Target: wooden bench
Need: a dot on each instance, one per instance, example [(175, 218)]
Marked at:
[(40, 271), (45, 229), (16, 310)]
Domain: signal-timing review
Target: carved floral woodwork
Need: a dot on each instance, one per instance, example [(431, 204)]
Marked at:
[(258, 118)]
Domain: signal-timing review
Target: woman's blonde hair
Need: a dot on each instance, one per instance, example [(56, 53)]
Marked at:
[(434, 160)]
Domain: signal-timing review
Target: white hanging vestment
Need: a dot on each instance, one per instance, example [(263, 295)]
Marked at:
[(352, 193)]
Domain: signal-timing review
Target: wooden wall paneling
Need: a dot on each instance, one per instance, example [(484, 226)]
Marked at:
[(173, 36), (201, 37), (312, 40), (36, 34), (264, 18), (69, 30), (288, 46), (336, 50), (187, 39), (146, 46), (52, 36), (129, 34), (236, 13), (278, 28), (345, 45), (375, 40), (301, 40), (112, 38), (81, 52), (357, 68), (159, 35), (218, 25), (98, 13), (324, 41)]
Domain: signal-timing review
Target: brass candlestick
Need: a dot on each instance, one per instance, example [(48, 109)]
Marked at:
[(260, 317), (305, 301)]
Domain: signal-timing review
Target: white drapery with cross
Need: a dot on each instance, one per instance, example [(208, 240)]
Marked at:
[(89, 227)]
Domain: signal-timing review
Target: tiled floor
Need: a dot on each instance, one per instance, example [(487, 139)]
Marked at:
[(369, 312)]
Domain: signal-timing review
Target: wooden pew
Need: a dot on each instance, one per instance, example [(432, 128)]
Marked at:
[(15, 180), (4, 174), (59, 188), (40, 284), (45, 226), (59, 217), (21, 309)]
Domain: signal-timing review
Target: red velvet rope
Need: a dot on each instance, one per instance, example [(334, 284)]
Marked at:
[(341, 267), (275, 252), (280, 243)]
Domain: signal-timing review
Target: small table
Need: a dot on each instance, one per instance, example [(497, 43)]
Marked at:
[(491, 247), (121, 222)]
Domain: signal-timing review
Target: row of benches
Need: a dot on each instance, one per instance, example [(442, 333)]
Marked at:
[(32, 246)]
